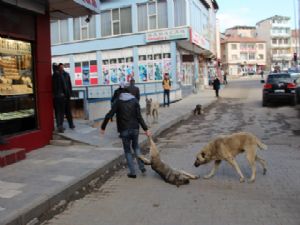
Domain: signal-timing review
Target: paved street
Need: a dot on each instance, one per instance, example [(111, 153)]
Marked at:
[(272, 200)]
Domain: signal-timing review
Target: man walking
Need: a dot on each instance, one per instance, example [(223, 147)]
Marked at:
[(129, 118), (216, 85), (68, 95), (166, 83)]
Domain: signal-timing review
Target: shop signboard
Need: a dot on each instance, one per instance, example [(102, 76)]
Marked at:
[(93, 5), (167, 34), (199, 40)]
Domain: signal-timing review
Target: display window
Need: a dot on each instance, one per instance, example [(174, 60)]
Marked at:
[(17, 95)]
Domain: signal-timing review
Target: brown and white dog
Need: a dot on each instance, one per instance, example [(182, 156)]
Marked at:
[(169, 174), (152, 110), (227, 148)]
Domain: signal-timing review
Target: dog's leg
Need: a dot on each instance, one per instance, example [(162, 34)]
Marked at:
[(251, 155), (188, 175), (145, 160), (153, 149), (263, 163), (234, 164), (214, 169)]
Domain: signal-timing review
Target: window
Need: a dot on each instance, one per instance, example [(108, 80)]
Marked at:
[(180, 13), (59, 31), (152, 15), (243, 46), (244, 56), (251, 56), (234, 57), (261, 56), (116, 21), (274, 41), (251, 47), (233, 46), (84, 30), (286, 41), (17, 92), (260, 46)]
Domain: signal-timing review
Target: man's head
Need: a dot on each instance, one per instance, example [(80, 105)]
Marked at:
[(61, 67), (166, 75), (132, 81), (54, 67), (122, 84)]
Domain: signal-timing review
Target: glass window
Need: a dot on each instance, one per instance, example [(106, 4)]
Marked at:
[(180, 13), (59, 31), (125, 14), (261, 56), (83, 29), (274, 41), (142, 18), (233, 46), (251, 56), (54, 32), (260, 46), (106, 23), (17, 99), (244, 56), (234, 57)]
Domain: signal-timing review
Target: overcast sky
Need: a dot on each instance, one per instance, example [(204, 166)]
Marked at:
[(249, 12)]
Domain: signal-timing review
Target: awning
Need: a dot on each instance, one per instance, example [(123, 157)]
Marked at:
[(62, 9)]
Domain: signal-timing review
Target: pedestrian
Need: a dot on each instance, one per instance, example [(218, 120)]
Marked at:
[(225, 78), (59, 94), (117, 92), (166, 83), (134, 90), (69, 93), (129, 118), (262, 74), (216, 85)]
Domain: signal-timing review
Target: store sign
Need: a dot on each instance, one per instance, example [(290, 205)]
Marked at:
[(199, 40), (170, 34), (93, 5)]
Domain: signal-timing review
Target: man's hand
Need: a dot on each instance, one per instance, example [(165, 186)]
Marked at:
[(148, 133), (102, 132)]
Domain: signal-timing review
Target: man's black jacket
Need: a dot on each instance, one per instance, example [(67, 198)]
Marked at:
[(128, 113)]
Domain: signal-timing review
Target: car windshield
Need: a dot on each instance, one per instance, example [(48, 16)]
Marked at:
[(275, 78)]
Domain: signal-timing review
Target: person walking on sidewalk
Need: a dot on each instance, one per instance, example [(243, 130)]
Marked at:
[(69, 93), (129, 118), (225, 78), (166, 83), (59, 93), (134, 90), (216, 85)]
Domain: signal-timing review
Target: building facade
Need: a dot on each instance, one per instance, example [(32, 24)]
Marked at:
[(276, 32), (295, 47), (140, 39), (243, 55), (241, 31)]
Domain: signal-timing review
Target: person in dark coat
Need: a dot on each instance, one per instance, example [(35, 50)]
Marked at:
[(129, 119), (134, 90), (69, 93), (59, 90), (216, 85)]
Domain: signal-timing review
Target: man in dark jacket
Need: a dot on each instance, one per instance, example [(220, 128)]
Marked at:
[(134, 90), (129, 119), (69, 93), (59, 94), (216, 85)]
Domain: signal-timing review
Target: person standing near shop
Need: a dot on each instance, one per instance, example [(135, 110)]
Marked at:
[(129, 118), (134, 90), (166, 83), (69, 93), (59, 94), (216, 85)]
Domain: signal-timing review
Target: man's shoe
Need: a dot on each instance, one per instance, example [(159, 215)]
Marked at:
[(60, 130), (143, 170), (72, 127), (131, 175)]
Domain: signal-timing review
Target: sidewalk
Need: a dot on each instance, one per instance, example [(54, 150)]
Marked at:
[(53, 175)]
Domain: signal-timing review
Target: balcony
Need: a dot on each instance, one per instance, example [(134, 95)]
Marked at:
[(281, 46), (279, 57)]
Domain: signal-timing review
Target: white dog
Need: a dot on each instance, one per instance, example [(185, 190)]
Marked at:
[(152, 109)]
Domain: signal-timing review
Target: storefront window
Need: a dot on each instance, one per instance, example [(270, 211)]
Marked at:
[(17, 99)]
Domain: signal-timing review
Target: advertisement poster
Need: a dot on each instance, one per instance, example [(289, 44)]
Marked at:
[(105, 72), (113, 72), (142, 68), (86, 75), (158, 70), (129, 72), (78, 74), (150, 71), (167, 66)]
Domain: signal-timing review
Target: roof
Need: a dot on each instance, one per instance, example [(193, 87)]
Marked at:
[(276, 17), (237, 39), (241, 27)]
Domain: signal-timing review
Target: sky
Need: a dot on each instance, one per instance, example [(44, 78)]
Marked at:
[(249, 12)]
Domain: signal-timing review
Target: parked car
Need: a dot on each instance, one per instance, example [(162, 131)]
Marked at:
[(298, 90), (295, 73), (279, 87)]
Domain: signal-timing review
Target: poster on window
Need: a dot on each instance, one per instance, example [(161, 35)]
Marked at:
[(78, 74), (86, 75), (93, 72), (113, 72), (167, 66), (129, 72), (158, 70), (105, 72), (150, 71), (142, 68)]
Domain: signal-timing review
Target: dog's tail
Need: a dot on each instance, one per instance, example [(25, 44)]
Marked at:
[(261, 145)]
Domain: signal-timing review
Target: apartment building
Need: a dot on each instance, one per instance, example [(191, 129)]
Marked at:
[(142, 39), (276, 32), (295, 46), (241, 31), (243, 55)]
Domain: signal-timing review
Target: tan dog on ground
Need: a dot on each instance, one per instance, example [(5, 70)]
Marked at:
[(152, 110), (170, 175), (227, 147)]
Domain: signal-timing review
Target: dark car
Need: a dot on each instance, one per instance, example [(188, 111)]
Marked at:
[(279, 87), (298, 90)]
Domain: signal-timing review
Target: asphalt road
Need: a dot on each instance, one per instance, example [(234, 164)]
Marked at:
[(273, 199)]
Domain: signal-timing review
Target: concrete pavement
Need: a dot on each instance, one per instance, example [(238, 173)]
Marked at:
[(40, 186)]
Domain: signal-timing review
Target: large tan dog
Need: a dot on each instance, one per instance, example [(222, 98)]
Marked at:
[(152, 110), (169, 174), (227, 147)]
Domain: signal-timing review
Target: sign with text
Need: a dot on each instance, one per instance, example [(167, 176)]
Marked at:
[(199, 40), (169, 34), (93, 5)]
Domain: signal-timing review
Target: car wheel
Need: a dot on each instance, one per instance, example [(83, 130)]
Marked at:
[(264, 103), (294, 101)]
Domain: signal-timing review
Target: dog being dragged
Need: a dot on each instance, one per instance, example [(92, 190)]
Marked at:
[(170, 175), (227, 147)]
